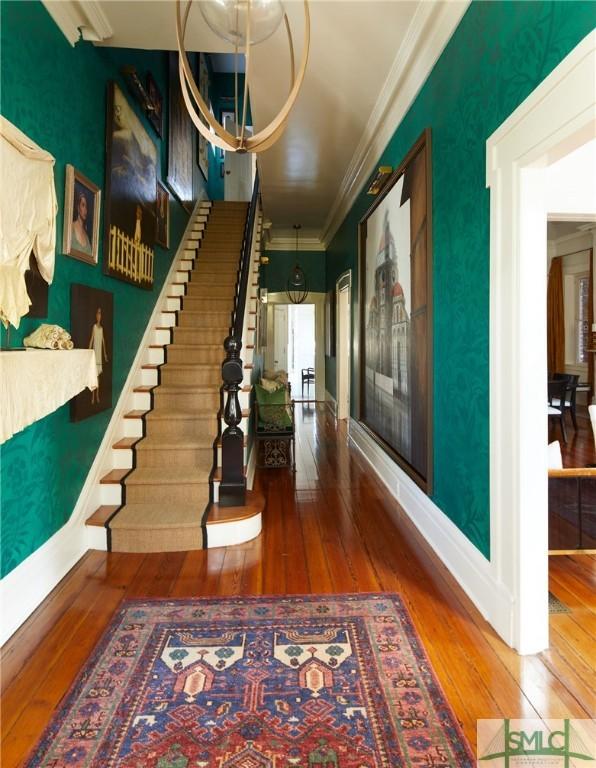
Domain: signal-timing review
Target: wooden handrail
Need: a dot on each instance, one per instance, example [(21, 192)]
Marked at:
[(232, 488)]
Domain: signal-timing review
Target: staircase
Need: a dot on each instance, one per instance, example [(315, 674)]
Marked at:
[(169, 482)]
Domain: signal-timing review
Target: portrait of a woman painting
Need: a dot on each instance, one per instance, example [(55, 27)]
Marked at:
[(81, 217)]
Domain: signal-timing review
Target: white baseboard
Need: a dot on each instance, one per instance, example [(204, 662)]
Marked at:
[(24, 588), (469, 567)]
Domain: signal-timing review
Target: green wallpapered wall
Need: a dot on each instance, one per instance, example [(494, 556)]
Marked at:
[(56, 94), (499, 53), (274, 276)]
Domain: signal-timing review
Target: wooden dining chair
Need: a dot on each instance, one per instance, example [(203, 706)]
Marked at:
[(570, 401), (556, 392)]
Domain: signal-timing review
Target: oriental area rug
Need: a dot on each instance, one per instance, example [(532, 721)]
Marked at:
[(327, 681)]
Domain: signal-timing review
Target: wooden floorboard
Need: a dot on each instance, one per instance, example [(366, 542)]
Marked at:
[(330, 527)]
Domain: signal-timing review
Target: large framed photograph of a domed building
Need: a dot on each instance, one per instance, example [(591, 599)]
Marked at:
[(396, 316)]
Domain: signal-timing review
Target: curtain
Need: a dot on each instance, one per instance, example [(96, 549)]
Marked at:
[(590, 321), (555, 318)]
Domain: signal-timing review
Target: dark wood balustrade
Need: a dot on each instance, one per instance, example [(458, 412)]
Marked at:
[(232, 489)]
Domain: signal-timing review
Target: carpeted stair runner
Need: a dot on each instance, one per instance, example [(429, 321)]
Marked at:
[(167, 492)]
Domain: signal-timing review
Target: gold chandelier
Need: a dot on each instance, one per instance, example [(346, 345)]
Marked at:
[(226, 17)]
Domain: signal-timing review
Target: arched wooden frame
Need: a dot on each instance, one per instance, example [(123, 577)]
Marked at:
[(204, 120)]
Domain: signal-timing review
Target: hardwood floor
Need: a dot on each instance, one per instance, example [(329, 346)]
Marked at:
[(331, 529), (578, 451)]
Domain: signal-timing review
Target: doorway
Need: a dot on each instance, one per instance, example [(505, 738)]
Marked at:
[(343, 288), (239, 169), (548, 126), (301, 345)]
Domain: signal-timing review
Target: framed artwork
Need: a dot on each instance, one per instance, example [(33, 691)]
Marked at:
[(155, 107), (162, 232), (92, 327), (131, 191), (82, 200), (202, 143), (330, 323), (395, 316), (180, 138)]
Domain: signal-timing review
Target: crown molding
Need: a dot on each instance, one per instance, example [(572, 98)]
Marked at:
[(429, 32), (77, 20), (281, 243)]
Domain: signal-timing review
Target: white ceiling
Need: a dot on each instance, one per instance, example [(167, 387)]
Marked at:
[(368, 59)]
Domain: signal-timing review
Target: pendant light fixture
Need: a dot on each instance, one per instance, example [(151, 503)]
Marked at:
[(297, 284), (243, 23)]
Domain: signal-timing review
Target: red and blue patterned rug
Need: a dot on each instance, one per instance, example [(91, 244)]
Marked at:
[(327, 681)]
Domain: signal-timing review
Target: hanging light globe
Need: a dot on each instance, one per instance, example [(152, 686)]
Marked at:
[(242, 23), (297, 286), (228, 19)]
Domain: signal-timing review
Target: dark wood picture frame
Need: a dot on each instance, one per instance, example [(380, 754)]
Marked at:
[(162, 217), (180, 139), (395, 389), (131, 190), (155, 107), (92, 327)]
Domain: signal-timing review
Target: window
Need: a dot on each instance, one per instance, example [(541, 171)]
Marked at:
[(582, 289)]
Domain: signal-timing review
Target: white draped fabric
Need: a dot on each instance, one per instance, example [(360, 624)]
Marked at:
[(27, 218), (36, 382)]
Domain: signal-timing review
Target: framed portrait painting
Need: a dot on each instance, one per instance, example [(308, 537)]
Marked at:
[(396, 316), (180, 138), (92, 327), (131, 191), (162, 232), (82, 199)]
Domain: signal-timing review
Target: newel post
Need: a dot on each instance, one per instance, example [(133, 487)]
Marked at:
[(232, 489)]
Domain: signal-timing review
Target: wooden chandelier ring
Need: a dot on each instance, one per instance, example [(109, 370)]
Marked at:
[(266, 137), (188, 76)]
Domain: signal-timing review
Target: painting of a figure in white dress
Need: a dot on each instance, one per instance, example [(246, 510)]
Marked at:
[(91, 327), (395, 306)]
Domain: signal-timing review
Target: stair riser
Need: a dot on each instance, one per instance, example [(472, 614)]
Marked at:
[(188, 401), (224, 268), (171, 430), (149, 377), (192, 378), (213, 356), (199, 458), (133, 428), (155, 356), (176, 290), (207, 336), (165, 494), (213, 320), (159, 540), (198, 303), (206, 291)]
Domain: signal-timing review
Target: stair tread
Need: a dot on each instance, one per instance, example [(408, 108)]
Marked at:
[(144, 388), (125, 442), (160, 516), (135, 414), (255, 504), (170, 475), (114, 476), (102, 515), (187, 366), (168, 389), (159, 443), (165, 414)]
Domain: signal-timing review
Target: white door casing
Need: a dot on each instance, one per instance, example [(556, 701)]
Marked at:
[(343, 343), (556, 119), (280, 337)]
